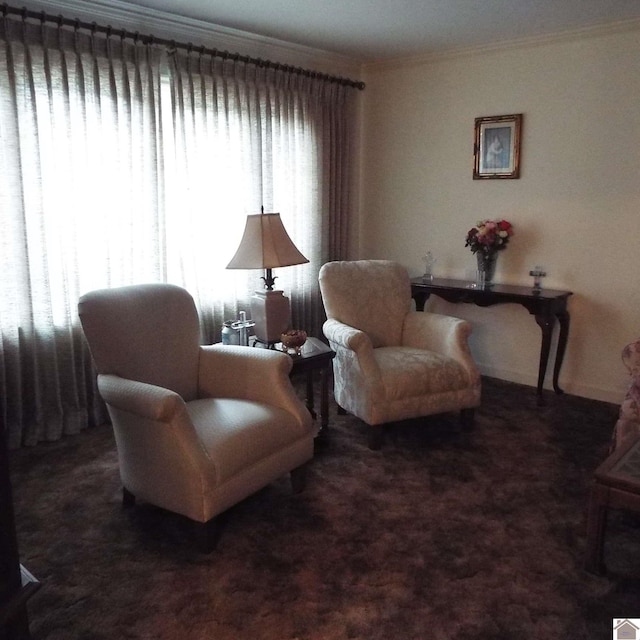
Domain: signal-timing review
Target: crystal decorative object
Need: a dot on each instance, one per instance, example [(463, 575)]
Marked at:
[(429, 261), (537, 273)]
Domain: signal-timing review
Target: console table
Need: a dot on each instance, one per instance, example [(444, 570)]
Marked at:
[(546, 305)]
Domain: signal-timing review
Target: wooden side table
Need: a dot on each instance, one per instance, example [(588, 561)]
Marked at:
[(616, 486), (315, 355)]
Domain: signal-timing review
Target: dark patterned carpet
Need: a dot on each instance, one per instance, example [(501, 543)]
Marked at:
[(441, 534)]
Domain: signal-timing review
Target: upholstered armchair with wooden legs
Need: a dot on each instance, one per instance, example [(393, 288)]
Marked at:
[(197, 428), (393, 363)]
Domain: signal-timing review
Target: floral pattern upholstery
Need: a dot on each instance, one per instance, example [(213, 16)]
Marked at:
[(628, 424), (393, 363)]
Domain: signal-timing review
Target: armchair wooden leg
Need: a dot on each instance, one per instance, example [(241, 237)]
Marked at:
[(299, 479), (375, 437), (467, 417), (207, 535), (128, 499)]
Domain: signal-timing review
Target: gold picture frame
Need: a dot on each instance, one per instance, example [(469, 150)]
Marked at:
[(496, 149)]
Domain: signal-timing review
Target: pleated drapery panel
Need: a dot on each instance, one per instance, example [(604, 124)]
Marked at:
[(78, 210), (123, 163), (248, 137)]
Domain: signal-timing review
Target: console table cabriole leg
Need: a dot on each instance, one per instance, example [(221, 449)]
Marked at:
[(420, 300), (545, 323), (563, 320)]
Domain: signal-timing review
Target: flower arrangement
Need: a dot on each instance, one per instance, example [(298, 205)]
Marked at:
[(489, 236)]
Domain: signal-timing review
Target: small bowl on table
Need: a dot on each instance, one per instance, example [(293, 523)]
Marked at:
[(293, 340)]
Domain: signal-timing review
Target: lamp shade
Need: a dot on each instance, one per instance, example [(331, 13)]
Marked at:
[(265, 245)]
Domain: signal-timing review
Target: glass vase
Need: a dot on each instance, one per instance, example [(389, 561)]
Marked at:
[(487, 265)]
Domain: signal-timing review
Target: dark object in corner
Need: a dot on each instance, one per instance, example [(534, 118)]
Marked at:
[(17, 585)]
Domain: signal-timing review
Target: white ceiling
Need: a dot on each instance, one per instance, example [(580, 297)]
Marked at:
[(371, 30)]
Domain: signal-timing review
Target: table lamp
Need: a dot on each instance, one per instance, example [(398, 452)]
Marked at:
[(266, 245)]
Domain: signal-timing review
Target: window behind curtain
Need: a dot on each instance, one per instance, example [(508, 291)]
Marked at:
[(122, 165)]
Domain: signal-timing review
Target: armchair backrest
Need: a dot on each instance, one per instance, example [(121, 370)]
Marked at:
[(147, 332), (371, 295)]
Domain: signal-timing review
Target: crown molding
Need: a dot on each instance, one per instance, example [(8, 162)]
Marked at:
[(124, 15), (613, 28)]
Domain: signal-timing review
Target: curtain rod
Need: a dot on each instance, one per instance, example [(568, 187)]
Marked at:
[(109, 31)]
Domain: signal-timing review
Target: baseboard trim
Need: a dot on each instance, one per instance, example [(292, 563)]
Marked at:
[(604, 394)]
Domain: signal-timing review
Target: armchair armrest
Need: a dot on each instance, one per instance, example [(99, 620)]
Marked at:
[(442, 334), (343, 336), (151, 424), (249, 373), (140, 398)]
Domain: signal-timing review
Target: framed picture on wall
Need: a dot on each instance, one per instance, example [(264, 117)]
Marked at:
[(496, 150)]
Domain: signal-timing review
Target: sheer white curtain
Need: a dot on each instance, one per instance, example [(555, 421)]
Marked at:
[(121, 163)]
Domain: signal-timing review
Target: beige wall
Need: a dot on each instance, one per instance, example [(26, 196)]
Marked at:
[(576, 207)]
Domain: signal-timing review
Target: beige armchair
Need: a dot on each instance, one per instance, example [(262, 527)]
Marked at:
[(393, 363), (197, 428)]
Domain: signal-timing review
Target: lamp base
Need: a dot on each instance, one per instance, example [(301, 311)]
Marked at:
[(270, 310)]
